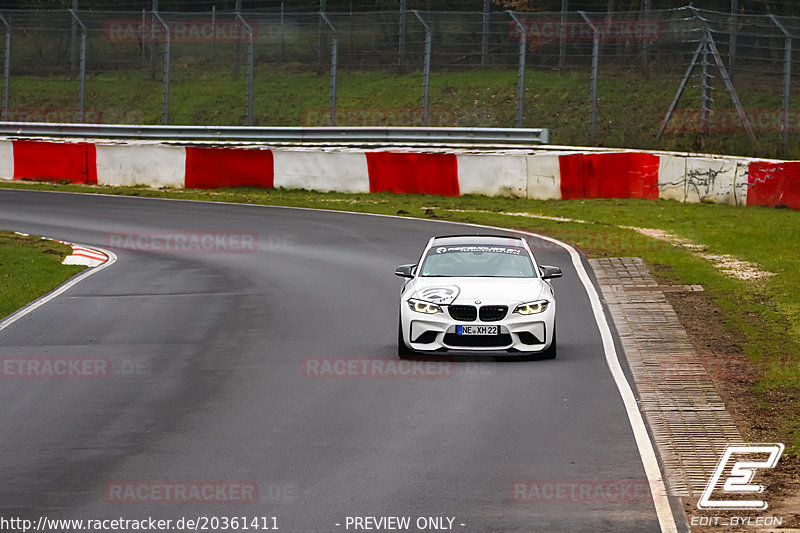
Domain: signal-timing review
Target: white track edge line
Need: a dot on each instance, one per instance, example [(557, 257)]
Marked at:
[(112, 257), (652, 470), (666, 518)]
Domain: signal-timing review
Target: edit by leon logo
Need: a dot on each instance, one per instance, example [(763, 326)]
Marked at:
[(739, 479)]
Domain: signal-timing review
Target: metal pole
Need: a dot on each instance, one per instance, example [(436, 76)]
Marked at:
[(283, 36), (681, 87), (787, 84), (562, 32), (401, 38), (334, 50), (165, 106), (322, 9), (426, 78), (153, 40), (487, 4), (595, 58), (82, 83), (705, 95), (250, 60), (6, 66), (725, 77), (350, 31), (73, 43), (237, 43), (523, 45), (214, 31), (734, 29), (646, 43), (142, 34)]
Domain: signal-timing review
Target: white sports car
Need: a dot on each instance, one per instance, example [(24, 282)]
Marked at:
[(477, 293)]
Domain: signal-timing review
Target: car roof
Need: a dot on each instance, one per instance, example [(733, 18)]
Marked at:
[(488, 240)]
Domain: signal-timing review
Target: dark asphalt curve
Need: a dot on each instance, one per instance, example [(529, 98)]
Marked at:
[(217, 379)]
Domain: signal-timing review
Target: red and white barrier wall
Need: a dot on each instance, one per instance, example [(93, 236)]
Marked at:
[(546, 174)]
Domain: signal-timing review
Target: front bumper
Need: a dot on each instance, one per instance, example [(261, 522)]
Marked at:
[(517, 333)]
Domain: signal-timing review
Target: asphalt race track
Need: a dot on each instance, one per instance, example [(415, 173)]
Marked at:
[(214, 360)]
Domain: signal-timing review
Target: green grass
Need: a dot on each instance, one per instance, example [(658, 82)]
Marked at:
[(29, 268), (766, 312), (628, 115)]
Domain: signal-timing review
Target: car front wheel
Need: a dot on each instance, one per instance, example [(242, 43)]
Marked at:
[(403, 351), (552, 351)]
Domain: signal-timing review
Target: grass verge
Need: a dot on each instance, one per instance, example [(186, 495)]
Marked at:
[(762, 314), (29, 268)]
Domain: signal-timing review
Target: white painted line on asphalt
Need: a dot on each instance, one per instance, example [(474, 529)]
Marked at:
[(658, 489), (60, 290)]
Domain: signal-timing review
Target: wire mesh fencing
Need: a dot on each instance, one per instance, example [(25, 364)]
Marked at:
[(686, 78)]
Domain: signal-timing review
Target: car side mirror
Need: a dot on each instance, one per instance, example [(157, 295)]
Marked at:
[(405, 271), (550, 272)]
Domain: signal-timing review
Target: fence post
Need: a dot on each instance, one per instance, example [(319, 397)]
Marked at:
[(82, 83), (237, 44), (401, 37), (213, 31), (681, 88), (705, 94), (712, 47), (6, 66), (350, 31), (787, 84), (334, 53), (323, 7), (283, 35), (523, 45), (734, 29), (562, 35), (595, 60), (153, 40), (426, 78), (142, 38), (165, 105), (485, 33), (73, 43), (646, 43), (250, 60)]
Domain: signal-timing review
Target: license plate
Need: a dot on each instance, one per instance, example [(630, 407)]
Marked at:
[(477, 330)]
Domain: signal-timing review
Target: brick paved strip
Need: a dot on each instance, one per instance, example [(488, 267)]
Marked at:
[(686, 416)]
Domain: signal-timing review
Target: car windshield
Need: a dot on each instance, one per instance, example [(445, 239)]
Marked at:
[(477, 261)]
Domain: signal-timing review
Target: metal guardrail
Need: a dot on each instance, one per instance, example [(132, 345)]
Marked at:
[(363, 135)]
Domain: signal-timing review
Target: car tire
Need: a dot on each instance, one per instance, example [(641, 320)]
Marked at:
[(552, 351), (403, 351)]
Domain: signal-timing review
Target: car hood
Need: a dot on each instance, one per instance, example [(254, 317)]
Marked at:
[(447, 291)]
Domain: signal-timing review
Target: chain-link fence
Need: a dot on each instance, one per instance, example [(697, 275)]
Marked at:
[(682, 78)]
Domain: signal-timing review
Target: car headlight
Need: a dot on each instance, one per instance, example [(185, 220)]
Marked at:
[(532, 308), (424, 307)]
